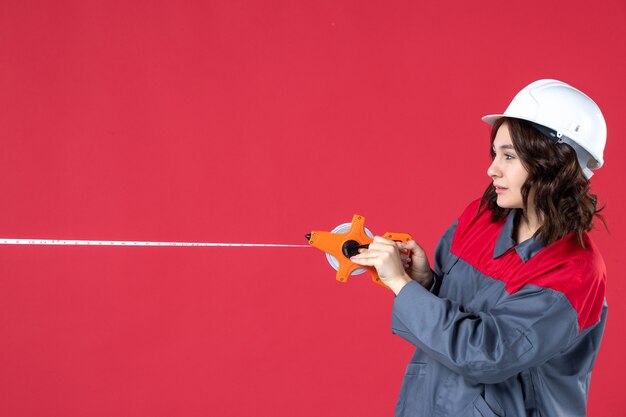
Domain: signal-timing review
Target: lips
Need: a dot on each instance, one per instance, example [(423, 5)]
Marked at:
[(499, 189)]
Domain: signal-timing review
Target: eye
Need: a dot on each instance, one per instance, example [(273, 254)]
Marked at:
[(508, 156)]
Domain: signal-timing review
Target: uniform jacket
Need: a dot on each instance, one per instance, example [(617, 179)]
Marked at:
[(507, 330)]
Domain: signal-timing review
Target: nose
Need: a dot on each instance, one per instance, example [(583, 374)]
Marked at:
[(493, 170)]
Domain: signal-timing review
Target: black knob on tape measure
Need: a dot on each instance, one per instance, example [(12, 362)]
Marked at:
[(351, 248)]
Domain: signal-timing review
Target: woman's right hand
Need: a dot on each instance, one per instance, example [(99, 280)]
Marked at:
[(416, 265)]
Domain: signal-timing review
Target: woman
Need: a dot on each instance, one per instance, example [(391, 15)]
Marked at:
[(510, 321)]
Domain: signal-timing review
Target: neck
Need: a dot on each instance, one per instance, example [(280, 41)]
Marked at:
[(528, 225)]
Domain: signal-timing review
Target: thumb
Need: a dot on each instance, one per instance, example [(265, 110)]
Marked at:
[(412, 246)]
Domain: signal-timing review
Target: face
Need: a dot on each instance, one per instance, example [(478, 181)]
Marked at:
[(507, 171)]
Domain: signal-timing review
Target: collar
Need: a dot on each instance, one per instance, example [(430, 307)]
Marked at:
[(525, 250)]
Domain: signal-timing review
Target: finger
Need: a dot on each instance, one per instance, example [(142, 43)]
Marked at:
[(382, 247), (363, 261), (366, 255), (411, 245), (380, 239)]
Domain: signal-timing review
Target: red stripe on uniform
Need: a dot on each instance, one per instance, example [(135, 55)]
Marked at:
[(564, 266)]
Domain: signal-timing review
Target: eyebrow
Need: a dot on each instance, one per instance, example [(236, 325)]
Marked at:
[(507, 146)]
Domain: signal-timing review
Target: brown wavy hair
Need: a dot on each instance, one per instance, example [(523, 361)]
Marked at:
[(562, 196)]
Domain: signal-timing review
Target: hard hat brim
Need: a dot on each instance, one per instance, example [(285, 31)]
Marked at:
[(491, 118)]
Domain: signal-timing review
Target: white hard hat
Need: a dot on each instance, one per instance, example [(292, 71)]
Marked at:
[(569, 115)]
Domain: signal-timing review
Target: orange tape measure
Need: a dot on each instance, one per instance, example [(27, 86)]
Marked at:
[(342, 246)]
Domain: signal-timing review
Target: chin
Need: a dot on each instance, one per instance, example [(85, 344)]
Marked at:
[(507, 204)]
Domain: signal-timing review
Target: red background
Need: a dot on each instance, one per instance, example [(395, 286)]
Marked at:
[(231, 121)]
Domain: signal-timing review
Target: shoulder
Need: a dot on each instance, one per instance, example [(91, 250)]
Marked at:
[(475, 213), (476, 220), (583, 264), (472, 210), (578, 273)]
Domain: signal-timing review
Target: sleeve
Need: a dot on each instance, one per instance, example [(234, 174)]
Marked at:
[(521, 331), (442, 251)]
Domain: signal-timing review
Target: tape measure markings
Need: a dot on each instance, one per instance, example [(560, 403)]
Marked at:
[(59, 242)]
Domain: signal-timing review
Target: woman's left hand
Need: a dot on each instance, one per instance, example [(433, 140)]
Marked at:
[(384, 255)]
